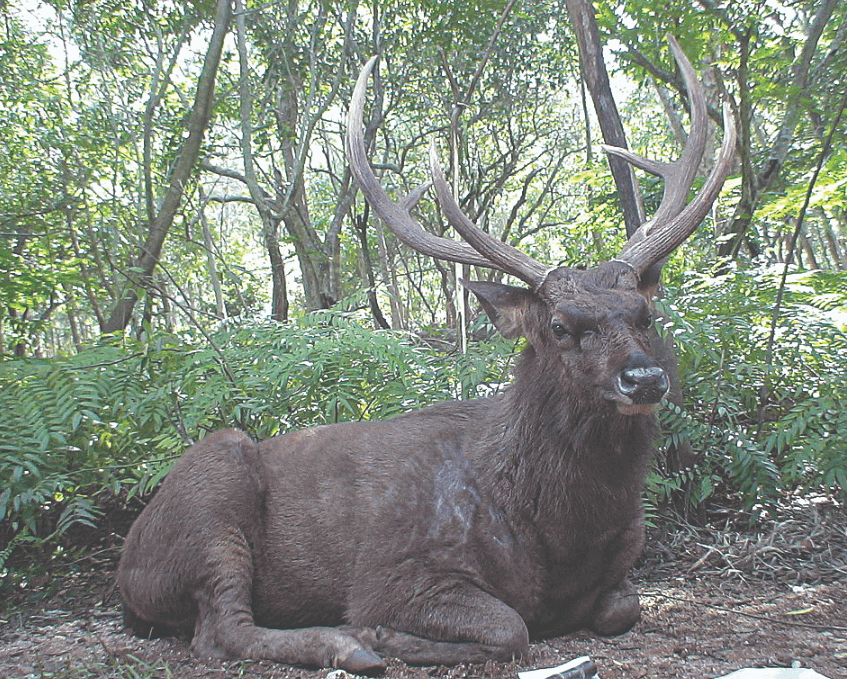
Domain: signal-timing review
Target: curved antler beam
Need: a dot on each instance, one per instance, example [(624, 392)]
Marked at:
[(661, 240), (675, 221), (397, 216), (503, 255)]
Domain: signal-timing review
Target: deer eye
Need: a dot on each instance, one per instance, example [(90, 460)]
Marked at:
[(646, 321), (559, 330)]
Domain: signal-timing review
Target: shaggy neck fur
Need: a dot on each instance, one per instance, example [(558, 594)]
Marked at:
[(559, 451)]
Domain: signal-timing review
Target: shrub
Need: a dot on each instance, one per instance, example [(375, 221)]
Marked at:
[(763, 425), (111, 421)]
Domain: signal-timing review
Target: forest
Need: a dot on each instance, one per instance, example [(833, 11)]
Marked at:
[(183, 248)]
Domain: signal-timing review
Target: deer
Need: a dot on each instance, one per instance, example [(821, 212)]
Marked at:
[(460, 531)]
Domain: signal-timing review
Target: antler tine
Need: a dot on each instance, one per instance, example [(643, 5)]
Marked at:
[(397, 216), (666, 238), (679, 174), (507, 258), (666, 228)]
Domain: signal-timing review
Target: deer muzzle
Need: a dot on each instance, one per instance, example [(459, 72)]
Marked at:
[(643, 386)]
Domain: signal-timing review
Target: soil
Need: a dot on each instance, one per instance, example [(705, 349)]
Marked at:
[(714, 600)]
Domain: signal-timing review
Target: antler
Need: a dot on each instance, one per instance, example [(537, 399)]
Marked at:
[(502, 255), (484, 250), (675, 221), (397, 216)]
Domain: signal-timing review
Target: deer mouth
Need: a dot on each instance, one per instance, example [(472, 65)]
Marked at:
[(626, 405)]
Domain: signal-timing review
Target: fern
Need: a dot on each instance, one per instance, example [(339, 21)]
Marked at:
[(113, 419), (793, 439)]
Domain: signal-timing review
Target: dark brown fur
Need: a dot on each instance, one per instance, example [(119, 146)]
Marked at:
[(453, 533)]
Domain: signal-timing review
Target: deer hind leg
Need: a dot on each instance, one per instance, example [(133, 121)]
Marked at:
[(225, 626), (450, 625), (188, 563)]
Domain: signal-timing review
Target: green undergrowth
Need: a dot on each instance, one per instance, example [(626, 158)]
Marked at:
[(78, 431), (762, 425)]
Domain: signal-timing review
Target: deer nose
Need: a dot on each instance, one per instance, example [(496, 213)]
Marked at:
[(643, 384)]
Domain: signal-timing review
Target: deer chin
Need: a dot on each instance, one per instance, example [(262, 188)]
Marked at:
[(626, 406), (637, 408)]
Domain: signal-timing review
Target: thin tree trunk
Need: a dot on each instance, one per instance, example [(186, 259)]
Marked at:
[(70, 310), (197, 123), (279, 301), (811, 258), (270, 223), (86, 273), (671, 112), (300, 105), (831, 241), (389, 275), (211, 266), (772, 167), (367, 267), (584, 21), (745, 207)]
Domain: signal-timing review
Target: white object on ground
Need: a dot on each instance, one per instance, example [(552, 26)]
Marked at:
[(773, 673), (578, 668)]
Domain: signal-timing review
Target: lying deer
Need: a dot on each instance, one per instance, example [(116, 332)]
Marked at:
[(453, 533)]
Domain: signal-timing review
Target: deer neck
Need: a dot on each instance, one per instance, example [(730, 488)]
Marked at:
[(552, 455)]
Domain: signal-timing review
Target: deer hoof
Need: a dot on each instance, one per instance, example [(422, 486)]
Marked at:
[(364, 662)]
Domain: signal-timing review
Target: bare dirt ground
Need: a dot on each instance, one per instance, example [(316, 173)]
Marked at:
[(714, 600)]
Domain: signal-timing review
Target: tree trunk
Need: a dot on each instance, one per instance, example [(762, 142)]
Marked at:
[(197, 123), (389, 275), (211, 267), (314, 255), (367, 268), (279, 298), (584, 21), (270, 222), (70, 310), (835, 250)]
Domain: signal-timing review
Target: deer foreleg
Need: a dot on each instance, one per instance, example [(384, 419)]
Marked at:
[(616, 610), (457, 623), (309, 647), (225, 625)]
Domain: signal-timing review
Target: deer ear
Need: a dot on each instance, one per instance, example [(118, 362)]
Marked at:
[(649, 280), (506, 305)]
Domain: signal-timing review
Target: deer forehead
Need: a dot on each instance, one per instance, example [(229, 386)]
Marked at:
[(590, 311), (605, 293), (565, 281)]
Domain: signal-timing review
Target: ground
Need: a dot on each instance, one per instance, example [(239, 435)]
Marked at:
[(714, 600)]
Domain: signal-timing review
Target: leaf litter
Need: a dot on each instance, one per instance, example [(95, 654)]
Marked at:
[(714, 600)]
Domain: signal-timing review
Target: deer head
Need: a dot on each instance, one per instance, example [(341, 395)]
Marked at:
[(587, 325)]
